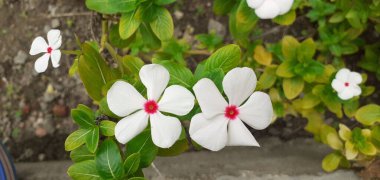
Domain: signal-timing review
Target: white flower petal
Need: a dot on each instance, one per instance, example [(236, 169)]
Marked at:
[(239, 84), (42, 63), (257, 112), (268, 10), (155, 78), (209, 133), (54, 38), (343, 74), (39, 45), (338, 85), (123, 99), (254, 3), (356, 90), (239, 135), (346, 94), (284, 5), (355, 78), (130, 126), (176, 100), (166, 130), (209, 98), (55, 57)]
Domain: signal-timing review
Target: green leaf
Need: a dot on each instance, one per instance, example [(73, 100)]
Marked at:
[(76, 139), (144, 145), (137, 178), (132, 163), (350, 107), (107, 128), (331, 162), (129, 23), (82, 118), (163, 2), (289, 47), (108, 160), (262, 56), (148, 36), (368, 115), (286, 19), (94, 72), (92, 139), (286, 68), (306, 50), (245, 18), (310, 100), (132, 64), (223, 6), (81, 154), (179, 75), (293, 87), (111, 6), (226, 58), (115, 39), (163, 25), (84, 170), (268, 78)]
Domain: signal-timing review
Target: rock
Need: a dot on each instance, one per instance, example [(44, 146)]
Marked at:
[(60, 110), (55, 23), (20, 57), (40, 132), (178, 14), (217, 27)]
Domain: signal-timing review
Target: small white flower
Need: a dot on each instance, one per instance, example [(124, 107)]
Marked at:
[(50, 49), (269, 9), (346, 83), (221, 124), (125, 101)]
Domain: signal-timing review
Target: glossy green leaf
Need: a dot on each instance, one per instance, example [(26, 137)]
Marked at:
[(163, 25), (286, 19), (163, 2), (92, 139), (107, 128), (84, 170), (82, 118), (129, 23), (144, 145), (76, 139), (108, 160), (131, 164), (369, 114), (222, 6), (179, 75), (226, 58), (286, 69), (179, 147), (94, 72), (81, 154), (111, 6)]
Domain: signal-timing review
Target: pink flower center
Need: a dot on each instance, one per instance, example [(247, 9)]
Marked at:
[(346, 84), (151, 107), (231, 112), (49, 49)]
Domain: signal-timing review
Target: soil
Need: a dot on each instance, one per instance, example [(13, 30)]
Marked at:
[(34, 108)]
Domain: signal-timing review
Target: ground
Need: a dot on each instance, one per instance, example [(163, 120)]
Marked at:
[(34, 108)]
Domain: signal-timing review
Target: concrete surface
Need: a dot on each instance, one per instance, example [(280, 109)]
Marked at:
[(295, 159)]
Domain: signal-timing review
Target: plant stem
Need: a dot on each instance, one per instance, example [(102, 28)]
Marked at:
[(114, 54), (71, 52), (198, 52), (104, 37)]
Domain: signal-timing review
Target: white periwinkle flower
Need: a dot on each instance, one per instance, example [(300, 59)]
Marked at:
[(221, 124), (49, 49), (346, 83), (125, 101), (269, 9)]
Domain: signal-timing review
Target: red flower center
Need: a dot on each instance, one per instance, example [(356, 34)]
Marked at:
[(49, 49), (346, 84), (231, 112), (151, 107)]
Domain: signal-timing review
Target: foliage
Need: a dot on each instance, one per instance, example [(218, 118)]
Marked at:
[(296, 71)]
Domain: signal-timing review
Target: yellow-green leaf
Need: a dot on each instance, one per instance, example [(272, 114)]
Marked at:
[(331, 162), (293, 87), (369, 114), (262, 56)]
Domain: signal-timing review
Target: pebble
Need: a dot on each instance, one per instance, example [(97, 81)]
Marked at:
[(217, 27), (55, 23), (178, 14), (20, 57)]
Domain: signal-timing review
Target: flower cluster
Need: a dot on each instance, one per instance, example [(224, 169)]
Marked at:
[(208, 128)]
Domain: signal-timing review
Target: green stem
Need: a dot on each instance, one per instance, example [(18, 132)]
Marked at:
[(71, 52), (104, 37), (114, 54)]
